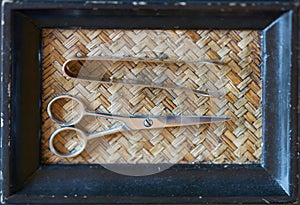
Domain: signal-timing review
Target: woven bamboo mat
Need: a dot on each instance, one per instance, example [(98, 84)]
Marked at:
[(236, 141)]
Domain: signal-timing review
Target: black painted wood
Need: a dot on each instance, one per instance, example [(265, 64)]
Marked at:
[(276, 91), (25, 92), (159, 17), (181, 183), (25, 180)]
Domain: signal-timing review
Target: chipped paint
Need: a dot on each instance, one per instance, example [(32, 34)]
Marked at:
[(265, 200), (2, 120), (2, 199), (140, 3), (8, 90), (103, 2), (181, 3), (7, 1)]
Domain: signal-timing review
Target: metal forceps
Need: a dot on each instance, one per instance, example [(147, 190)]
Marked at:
[(129, 123), (74, 68)]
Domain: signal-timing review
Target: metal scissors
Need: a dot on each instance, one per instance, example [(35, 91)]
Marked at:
[(129, 123)]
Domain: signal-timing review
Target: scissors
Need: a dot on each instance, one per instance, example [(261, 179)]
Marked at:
[(128, 123)]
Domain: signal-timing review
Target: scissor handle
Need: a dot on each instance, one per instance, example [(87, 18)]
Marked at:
[(80, 110), (71, 150)]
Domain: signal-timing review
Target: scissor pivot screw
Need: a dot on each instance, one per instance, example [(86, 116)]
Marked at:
[(148, 122)]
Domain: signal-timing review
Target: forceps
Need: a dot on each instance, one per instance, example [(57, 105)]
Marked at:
[(72, 68), (129, 123)]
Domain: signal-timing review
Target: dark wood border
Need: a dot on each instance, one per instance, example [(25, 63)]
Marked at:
[(26, 180)]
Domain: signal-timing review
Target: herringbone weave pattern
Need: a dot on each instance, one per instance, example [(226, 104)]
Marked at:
[(236, 141)]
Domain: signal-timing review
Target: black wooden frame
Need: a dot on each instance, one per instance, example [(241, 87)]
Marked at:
[(26, 180)]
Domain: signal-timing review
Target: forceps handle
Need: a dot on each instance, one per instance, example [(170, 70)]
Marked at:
[(66, 68)]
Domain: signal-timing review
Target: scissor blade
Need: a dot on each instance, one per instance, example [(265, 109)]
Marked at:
[(172, 121), (153, 122)]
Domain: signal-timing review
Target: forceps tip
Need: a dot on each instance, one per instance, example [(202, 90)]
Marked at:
[(220, 118), (207, 94)]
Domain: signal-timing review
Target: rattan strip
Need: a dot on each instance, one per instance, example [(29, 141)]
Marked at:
[(235, 141)]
